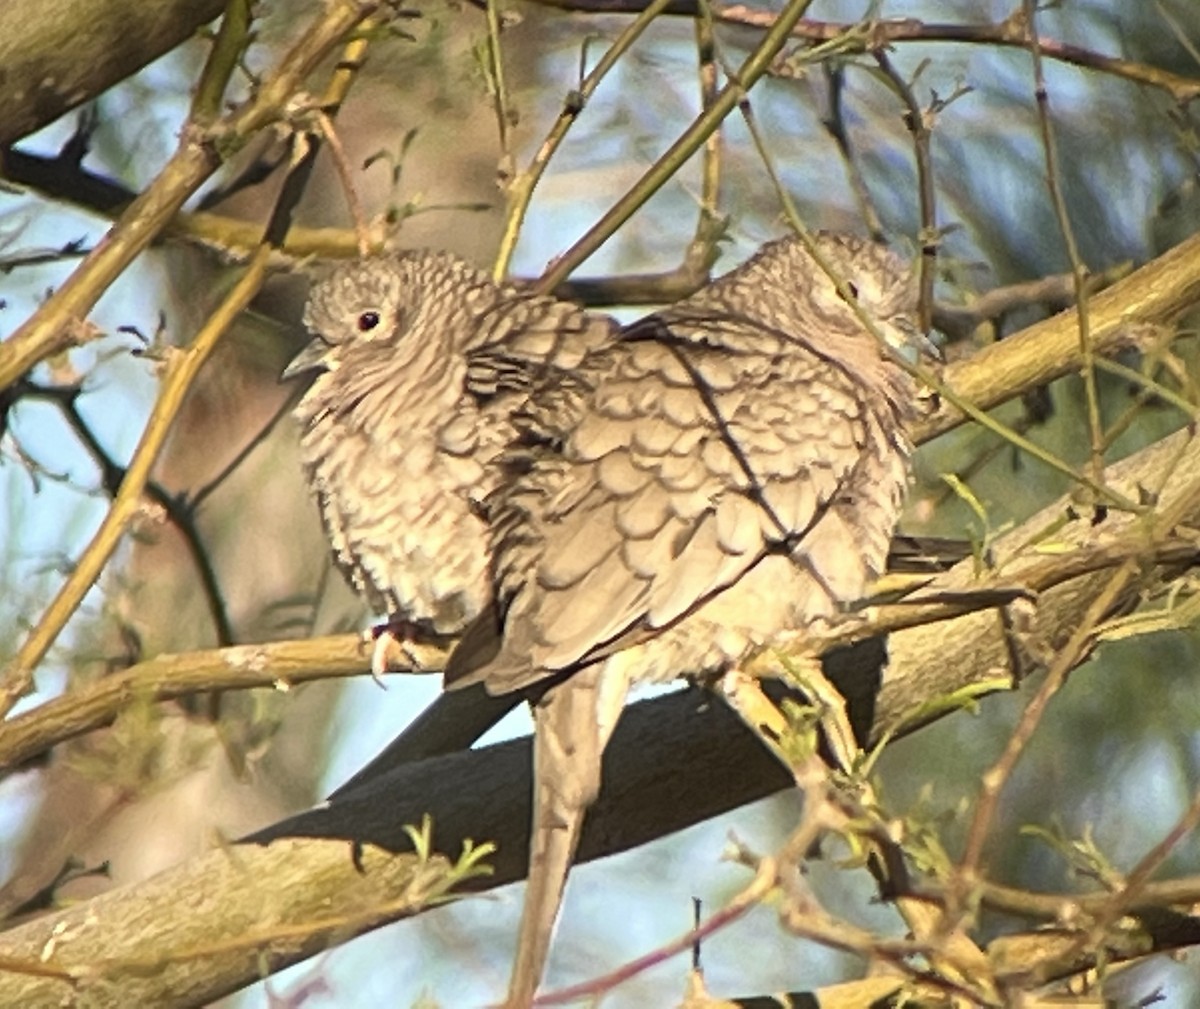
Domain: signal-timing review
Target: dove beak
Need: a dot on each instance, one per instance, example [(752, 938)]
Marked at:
[(311, 358)]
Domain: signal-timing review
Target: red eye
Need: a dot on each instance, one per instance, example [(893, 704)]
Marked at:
[(368, 321)]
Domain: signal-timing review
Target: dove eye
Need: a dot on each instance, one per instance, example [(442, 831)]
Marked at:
[(368, 321)]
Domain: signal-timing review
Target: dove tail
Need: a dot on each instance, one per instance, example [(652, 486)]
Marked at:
[(555, 837), (572, 723)]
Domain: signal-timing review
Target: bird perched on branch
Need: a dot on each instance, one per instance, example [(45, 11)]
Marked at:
[(397, 443), (728, 469)]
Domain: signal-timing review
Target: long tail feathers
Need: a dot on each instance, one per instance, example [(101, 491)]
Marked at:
[(572, 723)]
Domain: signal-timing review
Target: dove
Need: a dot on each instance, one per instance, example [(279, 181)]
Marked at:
[(722, 471), (398, 429)]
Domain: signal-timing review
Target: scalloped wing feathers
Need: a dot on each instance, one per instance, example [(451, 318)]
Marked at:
[(663, 469)]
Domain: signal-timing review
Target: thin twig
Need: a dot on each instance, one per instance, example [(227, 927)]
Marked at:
[(918, 125), (885, 33), (1078, 268), (354, 56), (345, 174), (835, 125), (1057, 906), (754, 67), (710, 176), (1182, 89), (747, 900), (1055, 292), (1133, 893), (965, 875), (520, 191), (198, 498), (224, 57), (180, 512)]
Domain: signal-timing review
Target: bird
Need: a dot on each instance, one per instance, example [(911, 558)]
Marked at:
[(725, 469), (396, 442)]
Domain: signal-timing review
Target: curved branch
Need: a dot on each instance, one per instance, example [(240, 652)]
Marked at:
[(179, 511), (880, 34)]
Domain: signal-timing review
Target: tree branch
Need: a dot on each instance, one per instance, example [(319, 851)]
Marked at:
[(883, 33), (57, 54), (1119, 316)]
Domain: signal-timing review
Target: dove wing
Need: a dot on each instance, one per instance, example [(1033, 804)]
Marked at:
[(649, 479)]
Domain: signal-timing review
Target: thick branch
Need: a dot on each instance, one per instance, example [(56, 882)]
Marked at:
[(1153, 295), (275, 905), (57, 54)]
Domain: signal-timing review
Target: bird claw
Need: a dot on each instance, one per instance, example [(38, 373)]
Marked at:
[(744, 694), (390, 647)]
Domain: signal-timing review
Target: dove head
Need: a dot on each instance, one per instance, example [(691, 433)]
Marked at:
[(394, 306), (882, 284)]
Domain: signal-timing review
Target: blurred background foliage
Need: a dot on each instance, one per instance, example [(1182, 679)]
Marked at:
[(1116, 758)]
